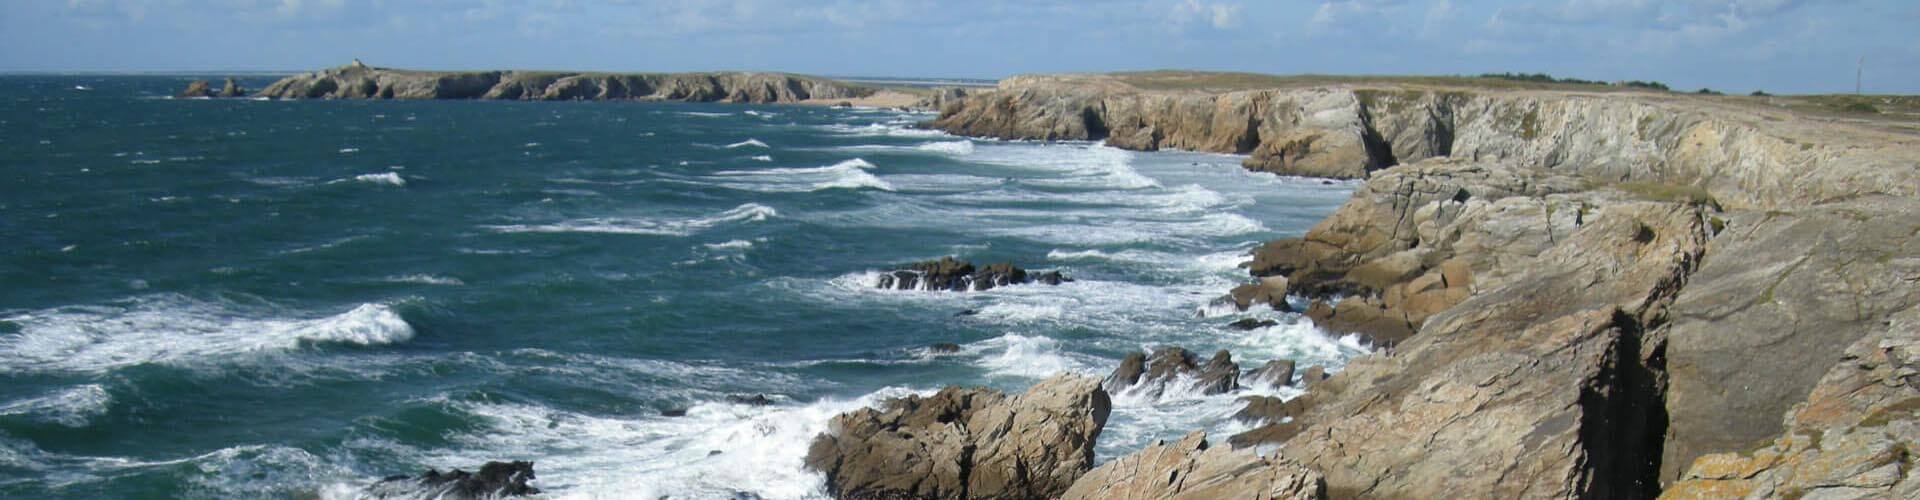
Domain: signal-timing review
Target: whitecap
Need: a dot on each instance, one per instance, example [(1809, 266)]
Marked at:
[(703, 114), (749, 212), (955, 148), (173, 329), (349, 150), (762, 158), (1026, 356), (70, 407), (747, 143), (848, 174), (425, 279), (387, 178), (730, 245)]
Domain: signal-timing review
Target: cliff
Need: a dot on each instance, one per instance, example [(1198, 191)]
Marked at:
[(1575, 293), (359, 81)]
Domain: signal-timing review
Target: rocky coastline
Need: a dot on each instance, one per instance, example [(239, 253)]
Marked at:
[(1571, 293)]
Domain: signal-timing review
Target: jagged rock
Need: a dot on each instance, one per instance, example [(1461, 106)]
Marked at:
[(1190, 469), (1785, 290), (1264, 410), (1245, 324), (1854, 436), (232, 89), (966, 443), (949, 274), (1544, 386), (197, 88), (1152, 374), (495, 480), (1276, 432), (1276, 373)]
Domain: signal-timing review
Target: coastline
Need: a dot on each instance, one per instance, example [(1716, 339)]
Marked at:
[(1566, 281)]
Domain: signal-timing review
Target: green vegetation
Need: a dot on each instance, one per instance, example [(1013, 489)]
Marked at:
[(1707, 91), (1860, 107), (1760, 93), (1546, 78)]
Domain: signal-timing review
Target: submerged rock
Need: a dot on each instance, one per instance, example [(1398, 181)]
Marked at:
[(750, 399), (495, 480), (1246, 324), (1153, 374), (1191, 469), (965, 443), (944, 348), (949, 274), (1276, 373)]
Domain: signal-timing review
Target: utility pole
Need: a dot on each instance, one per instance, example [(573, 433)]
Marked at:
[(1859, 69)]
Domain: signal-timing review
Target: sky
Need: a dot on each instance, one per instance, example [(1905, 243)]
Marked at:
[(1781, 46)]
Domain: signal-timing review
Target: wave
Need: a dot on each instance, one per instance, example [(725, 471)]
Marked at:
[(177, 330), (1028, 357), (955, 148), (388, 178), (730, 245), (848, 174), (425, 279), (71, 407), (717, 450), (748, 143), (703, 114), (749, 212), (762, 158), (880, 129)]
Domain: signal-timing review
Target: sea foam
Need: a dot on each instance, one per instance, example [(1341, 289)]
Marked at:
[(174, 329)]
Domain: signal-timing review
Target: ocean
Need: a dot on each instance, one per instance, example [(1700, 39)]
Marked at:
[(245, 298)]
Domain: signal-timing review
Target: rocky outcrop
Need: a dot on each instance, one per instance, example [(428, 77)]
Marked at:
[(1788, 291), (1270, 291), (949, 274), (197, 88), (1174, 368), (1742, 156), (495, 480), (966, 443), (229, 88), (1855, 435), (1543, 384), (1191, 469), (358, 81)]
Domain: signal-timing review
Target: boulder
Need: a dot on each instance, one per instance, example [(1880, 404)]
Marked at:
[(1264, 410), (949, 274), (1152, 374), (1190, 469), (1270, 291), (965, 443), (1365, 316), (1276, 373), (1248, 324), (495, 480)]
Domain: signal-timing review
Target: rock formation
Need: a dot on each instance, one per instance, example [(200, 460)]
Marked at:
[(1190, 469), (495, 480), (358, 81), (197, 88), (949, 274), (966, 443), (1174, 368)]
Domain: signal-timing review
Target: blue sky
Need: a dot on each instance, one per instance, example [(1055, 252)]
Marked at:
[(1732, 45)]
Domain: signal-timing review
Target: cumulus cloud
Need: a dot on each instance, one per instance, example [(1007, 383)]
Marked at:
[(1219, 15)]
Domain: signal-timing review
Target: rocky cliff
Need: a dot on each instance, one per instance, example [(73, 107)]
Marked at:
[(359, 81), (1576, 294)]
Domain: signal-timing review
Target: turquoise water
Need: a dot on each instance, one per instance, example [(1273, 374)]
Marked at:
[(239, 298)]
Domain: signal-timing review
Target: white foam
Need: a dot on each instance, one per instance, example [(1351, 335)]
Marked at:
[(881, 129), (1028, 357), (717, 450), (730, 245), (426, 279), (349, 150), (703, 114), (388, 178), (954, 148), (173, 329), (848, 174), (70, 407), (747, 143), (763, 158), (749, 212)]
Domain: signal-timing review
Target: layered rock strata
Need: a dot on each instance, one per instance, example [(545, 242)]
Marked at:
[(1191, 469), (966, 443)]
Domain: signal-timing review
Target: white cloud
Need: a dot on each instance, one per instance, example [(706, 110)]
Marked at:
[(1219, 15)]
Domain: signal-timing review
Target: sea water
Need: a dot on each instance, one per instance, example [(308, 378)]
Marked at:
[(246, 298)]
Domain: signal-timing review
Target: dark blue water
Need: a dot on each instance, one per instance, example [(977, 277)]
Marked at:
[(238, 298)]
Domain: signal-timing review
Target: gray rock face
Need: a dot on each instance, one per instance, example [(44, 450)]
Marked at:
[(1174, 367), (364, 82), (1190, 469), (1853, 437), (1275, 373), (966, 443), (1544, 386), (1788, 290)]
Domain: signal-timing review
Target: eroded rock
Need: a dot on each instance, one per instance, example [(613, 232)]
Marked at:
[(1174, 368), (950, 274), (966, 443), (1191, 469)]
